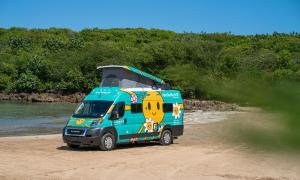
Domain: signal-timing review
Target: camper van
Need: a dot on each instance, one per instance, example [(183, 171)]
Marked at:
[(129, 106)]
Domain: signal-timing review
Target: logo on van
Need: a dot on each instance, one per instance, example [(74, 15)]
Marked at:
[(79, 121), (170, 95), (103, 92)]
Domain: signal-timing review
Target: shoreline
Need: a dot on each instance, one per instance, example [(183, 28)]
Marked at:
[(38, 136), (43, 97), (189, 104)]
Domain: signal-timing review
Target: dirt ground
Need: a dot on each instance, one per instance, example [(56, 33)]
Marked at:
[(204, 152)]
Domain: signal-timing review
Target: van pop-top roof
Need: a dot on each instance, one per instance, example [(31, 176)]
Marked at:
[(129, 77)]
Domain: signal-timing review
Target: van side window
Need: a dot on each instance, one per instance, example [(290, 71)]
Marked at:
[(119, 109), (110, 81), (168, 107), (136, 108)]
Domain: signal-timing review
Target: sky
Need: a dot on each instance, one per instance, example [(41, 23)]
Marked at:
[(236, 16)]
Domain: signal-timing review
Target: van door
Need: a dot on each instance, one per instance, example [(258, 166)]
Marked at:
[(136, 120), (119, 121)]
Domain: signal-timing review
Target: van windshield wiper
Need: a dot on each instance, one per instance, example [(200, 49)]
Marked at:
[(95, 115)]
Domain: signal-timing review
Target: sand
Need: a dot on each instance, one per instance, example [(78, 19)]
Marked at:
[(204, 152)]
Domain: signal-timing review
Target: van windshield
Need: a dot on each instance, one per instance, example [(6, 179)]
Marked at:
[(92, 109)]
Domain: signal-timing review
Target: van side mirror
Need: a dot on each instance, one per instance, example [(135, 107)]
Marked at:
[(114, 115)]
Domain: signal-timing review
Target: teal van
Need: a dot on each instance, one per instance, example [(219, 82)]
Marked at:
[(129, 106)]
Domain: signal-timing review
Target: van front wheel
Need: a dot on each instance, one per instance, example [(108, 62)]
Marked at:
[(166, 137), (73, 146), (107, 142)]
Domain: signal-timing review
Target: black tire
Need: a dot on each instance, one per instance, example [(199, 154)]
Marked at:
[(73, 146), (108, 142), (166, 138)]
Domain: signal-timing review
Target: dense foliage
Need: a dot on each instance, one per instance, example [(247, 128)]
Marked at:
[(62, 60)]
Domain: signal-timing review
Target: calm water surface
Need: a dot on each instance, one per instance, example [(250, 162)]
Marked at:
[(23, 118)]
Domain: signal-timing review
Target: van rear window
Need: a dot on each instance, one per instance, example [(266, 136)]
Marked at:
[(136, 108), (168, 107)]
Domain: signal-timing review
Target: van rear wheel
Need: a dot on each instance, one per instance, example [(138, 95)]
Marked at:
[(108, 142), (166, 138)]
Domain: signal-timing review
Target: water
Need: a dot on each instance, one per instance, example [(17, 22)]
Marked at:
[(23, 118)]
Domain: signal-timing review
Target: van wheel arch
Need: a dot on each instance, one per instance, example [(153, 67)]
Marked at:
[(111, 130), (167, 127)]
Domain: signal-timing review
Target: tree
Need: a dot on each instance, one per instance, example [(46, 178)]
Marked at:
[(28, 82)]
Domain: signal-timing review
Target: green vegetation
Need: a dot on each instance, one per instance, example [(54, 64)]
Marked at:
[(62, 60)]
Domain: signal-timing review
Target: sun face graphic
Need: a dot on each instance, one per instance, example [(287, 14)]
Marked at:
[(153, 107), (176, 110)]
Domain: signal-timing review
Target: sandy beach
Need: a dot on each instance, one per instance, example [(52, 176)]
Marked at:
[(206, 151)]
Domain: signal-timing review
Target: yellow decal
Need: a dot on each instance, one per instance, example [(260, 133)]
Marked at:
[(140, 130), (181, 106), (129, 92), (127, 68), (133, 97), (127, 107), (79, 121), (111, 108)]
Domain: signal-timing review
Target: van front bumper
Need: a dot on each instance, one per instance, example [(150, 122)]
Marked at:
[(82, 136)]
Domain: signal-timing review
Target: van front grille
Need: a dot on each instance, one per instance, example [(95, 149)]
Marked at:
[(75, 132)]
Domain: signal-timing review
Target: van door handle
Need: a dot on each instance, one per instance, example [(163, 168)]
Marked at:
[(125, 121)]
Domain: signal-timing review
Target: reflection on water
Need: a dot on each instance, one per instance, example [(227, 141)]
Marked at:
[(23, 118)]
